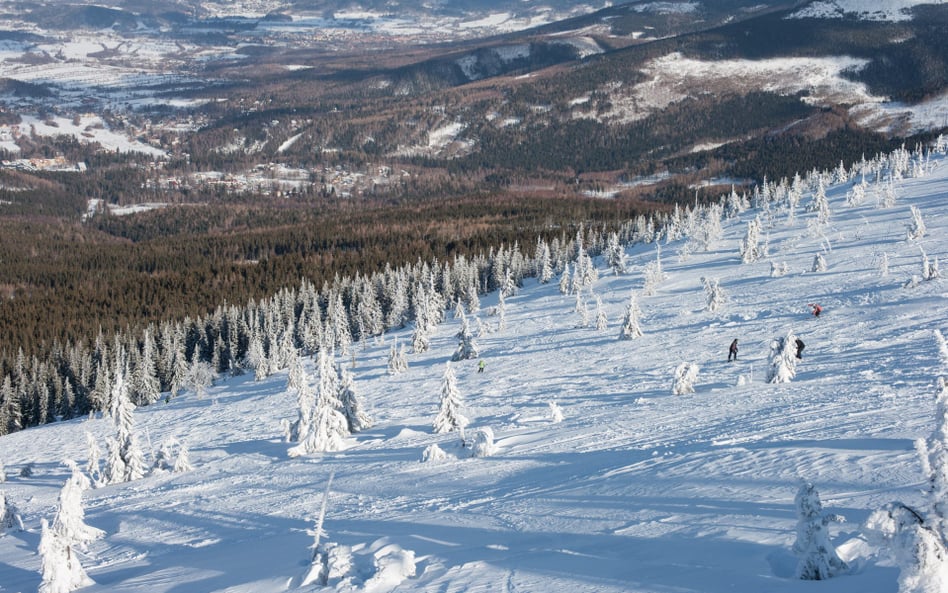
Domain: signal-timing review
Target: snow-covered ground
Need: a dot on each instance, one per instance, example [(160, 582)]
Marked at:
[(635, 489)]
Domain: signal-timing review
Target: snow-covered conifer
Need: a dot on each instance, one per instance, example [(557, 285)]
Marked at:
[(556, 413), (654, 275), (916, 229), (449, 414), (818, 559), (581, 310), (132, 458), (397, 359), (933, 452), (256, 359), (200, 376), (565, 280), (59, 564), (783, 359), (501, 311), (544, 262), (94, 463), (778, 269), (630, 324), (751, 250), (482, 444), (182, 459), (69, 522), (602, 322), (467, 346), (615, 254), (716, 296), (9, 515), (884, 264), (819, 263), (917, 549), (930, 269), (352, 408), (942, 348), (857, 194), (686, 374), (328, 426), (820, 203), (433, 453)]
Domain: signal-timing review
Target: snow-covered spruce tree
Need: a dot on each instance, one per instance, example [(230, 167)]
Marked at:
[(778, 269), (482, 443), (70, 516), (654, 275), (933, 452), (420, 338), (94, 462), (615, 254), (930, 269), (129, 452), (9, 515), (857, 194), (449, 416), (565, 280), (352, 408), (820, 203), (544, 262), (819, 263), (630, 324), (556, 413), (942, 348), (602, 322), (200, 376), (328, 426), (397, 359), (716, 297), (917, 549), (685, 376), (916, 229), (818, 559), (501, 311), (783, 359), (467, 346), (172, 456), (751, 250), (581, 310), (59, 564)]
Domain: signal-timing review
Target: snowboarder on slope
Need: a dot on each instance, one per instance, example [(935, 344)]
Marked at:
[(800, 347), (481, 365), (817, 309), (732, 351)]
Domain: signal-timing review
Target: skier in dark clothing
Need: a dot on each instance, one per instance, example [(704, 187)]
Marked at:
[(800, 347), (732, 351)]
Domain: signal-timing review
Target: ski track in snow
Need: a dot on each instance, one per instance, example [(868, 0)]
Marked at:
[(635, 490)]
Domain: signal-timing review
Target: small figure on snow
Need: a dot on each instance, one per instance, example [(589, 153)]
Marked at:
[(800, 347), (817, 309), (481, 365), (732, 351)]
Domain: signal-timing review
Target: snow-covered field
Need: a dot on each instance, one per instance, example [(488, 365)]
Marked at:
[(635, 489)]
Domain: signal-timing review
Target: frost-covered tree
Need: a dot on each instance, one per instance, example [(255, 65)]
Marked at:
[(916, 229), (467, 346), (933, 452), (817, 556), (327, 427), (930, 269), (819, 263), (172, 456), (565, 281), (857, 194), (544, 262), (59, 563), (654, 275), (69, 522), (556, 413), (200, 376), (630, 324), (716, 297), (778, 269), (942, 348), (686, 374), (783, 359), (94, 462), (820, 203), (9, 515), (917, 549), (615, 254), (449, 413), (397, 359), (751, 249), (482, 444), (581, 310), (602, 322), (883, 264), (256, 359), (356, 418), (128, 450)]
